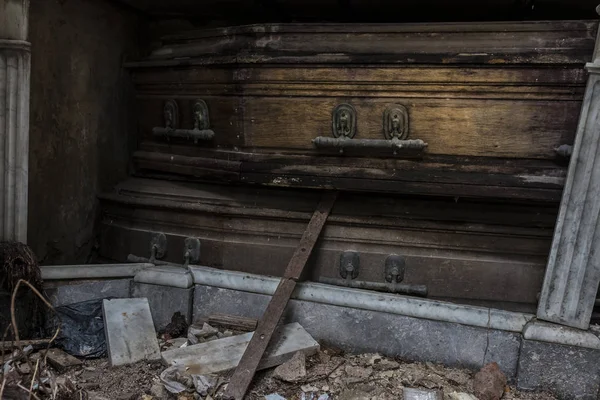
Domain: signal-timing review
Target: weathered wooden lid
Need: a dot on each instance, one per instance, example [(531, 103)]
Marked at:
[(533, 42)]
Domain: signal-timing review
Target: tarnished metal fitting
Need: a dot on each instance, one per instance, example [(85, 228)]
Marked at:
[(349, 264), (394, 268)]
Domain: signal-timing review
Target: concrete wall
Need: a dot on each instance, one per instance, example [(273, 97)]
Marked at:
[(81, 114)]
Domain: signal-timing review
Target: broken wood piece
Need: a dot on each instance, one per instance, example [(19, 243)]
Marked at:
[(60, 360), (233, 322), (225, 354), (9, 345), (129, 331), (252, 356)]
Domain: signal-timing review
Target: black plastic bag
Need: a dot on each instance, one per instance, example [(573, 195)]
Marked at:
[(81, 329)]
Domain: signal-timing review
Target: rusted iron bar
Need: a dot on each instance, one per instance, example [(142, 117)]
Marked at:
[(242, 377)]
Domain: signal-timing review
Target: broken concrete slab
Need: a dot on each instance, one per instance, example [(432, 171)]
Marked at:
[(422, 394), (129, 330), (225, 354)]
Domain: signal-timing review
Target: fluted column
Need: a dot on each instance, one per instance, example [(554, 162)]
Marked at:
[(573, 271), (14, 119)]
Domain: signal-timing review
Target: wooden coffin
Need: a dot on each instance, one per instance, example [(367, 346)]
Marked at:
[(467, 251), (474, 110), (236, 124)]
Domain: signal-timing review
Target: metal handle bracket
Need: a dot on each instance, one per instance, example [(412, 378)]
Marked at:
[(395, 131), (201, 130)]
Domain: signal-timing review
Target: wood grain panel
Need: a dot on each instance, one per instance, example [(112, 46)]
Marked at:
[(517, 129)]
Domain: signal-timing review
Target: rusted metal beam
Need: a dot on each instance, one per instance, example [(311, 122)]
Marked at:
[(245, 370)]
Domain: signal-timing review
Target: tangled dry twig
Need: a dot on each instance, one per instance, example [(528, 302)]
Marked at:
[(41, 374)]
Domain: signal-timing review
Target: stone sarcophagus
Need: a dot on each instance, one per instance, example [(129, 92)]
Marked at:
[(450, 143)]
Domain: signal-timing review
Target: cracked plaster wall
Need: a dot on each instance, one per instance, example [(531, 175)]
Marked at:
[(82, 117)]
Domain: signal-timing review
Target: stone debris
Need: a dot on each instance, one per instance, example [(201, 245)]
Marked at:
[(222, 355), (489, 383), (292, 370), (177, 327), (205, 333), (327, 374), (460, 396), (274, 396), (421, 394), (159, 391)]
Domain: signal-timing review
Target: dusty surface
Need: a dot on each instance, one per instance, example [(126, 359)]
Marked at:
[(340, 376), (128, 381)]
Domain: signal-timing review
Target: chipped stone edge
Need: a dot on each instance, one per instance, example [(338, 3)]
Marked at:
[(367, 300), (560, 334), (91, 271), (165, 276)]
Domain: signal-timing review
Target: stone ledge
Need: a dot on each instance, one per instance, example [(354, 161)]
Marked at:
[(165, 276), (91, 271), (15, 44), (367, 300), (358, 330), (559, 334), (84, 291)]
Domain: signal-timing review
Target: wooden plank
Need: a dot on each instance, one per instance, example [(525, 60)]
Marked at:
[(233, 322), (225, 354), (464, 43), (434, 175), (245, 371)]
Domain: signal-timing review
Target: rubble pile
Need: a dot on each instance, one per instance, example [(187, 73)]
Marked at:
[(198, 364), (327, 375)]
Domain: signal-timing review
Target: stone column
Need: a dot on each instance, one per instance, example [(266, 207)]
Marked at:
[(14, 119), (573, 271)]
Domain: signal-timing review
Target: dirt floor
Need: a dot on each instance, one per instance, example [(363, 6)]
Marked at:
[(329, 375)]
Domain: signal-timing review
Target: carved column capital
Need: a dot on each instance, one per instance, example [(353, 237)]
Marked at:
[(14, 19)]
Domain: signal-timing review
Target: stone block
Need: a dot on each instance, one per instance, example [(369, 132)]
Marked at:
[(165, 301), (62, 294), (129, 331), (569, 372), (211, 300), (394, 335)]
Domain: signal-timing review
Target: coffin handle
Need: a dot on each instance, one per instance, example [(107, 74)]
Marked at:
[(200, 131), (395, 131), (394, 144)]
